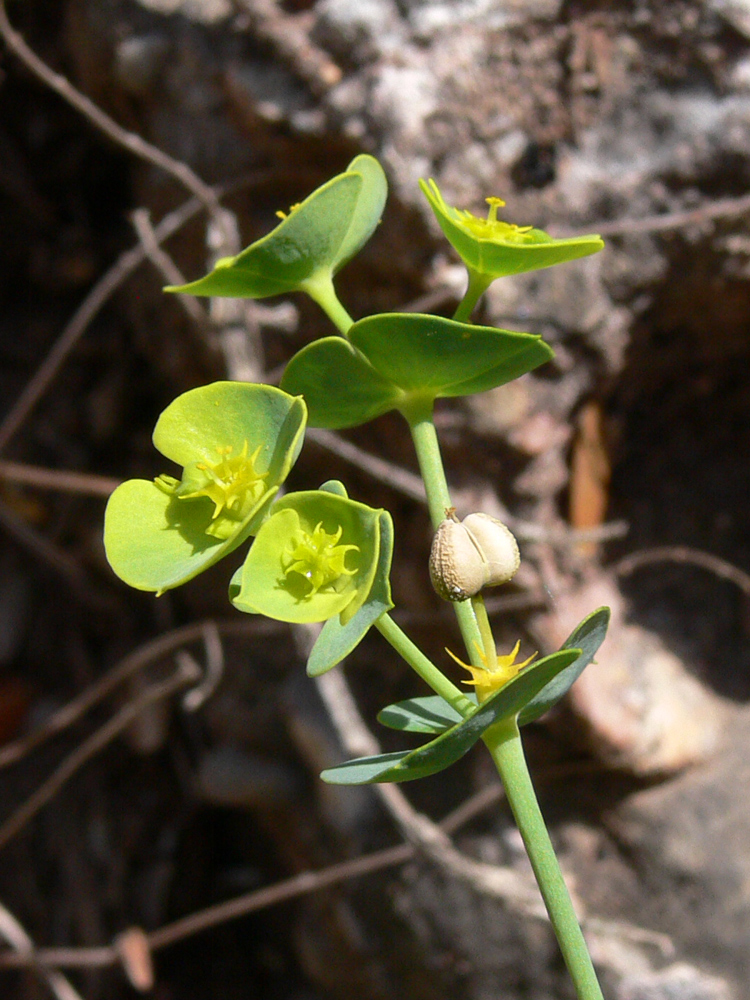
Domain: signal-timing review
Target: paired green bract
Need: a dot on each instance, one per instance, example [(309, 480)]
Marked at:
[(236, 443), (316, 558), (311, 244), (493, 249), (394, 360)]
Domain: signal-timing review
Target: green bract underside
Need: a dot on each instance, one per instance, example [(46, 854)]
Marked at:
[(508, 250), (310, 245)]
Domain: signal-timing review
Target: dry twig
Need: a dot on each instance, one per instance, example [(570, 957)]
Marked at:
[(142, 657), (687, 556), (94, 114), (91, 305), (18, 939), (92, 746), (85, 483)]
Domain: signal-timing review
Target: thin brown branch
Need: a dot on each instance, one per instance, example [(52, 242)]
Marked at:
[(289, 35), (292, 888), (52, 556), (167, 268), (722, 208), (18, 939), (61, 481), (91, 305), (687, 556), (89, 748), (94, 114), (136, 661)]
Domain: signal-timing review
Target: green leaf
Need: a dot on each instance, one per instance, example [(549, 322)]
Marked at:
[(158, 535), (340, 388), (493, 248), (368, 209), (451, 745), (334, 486), (315, 557), (428, 714), (433, 356), (336, 641), (588, 637), (310, 245)]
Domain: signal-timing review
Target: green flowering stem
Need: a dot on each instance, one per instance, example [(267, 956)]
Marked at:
[(321, 290), (483, 623), (430, 461), (478, 285), (422, 666), (504, 743)]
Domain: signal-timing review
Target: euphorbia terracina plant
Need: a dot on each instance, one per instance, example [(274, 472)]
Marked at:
[(320, 556)]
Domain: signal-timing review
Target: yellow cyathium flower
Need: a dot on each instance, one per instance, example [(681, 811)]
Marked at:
[(489, 678), (319, 559), (491, 228), (232, 484)]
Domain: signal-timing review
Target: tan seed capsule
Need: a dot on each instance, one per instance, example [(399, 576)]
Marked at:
[(457, 569), (496, 544)]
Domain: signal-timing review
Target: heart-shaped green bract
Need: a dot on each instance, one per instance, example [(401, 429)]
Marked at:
[(315, 557), (339, 386), (434, 356), (237, 443), (310, 245), (432, 714), (494, 249), (451, 745), (336, 641), (392, 359)]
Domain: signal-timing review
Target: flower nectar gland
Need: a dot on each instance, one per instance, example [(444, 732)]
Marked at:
[(319, 559), (233, 484)]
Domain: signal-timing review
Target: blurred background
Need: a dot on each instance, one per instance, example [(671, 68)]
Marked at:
[(131, 800)]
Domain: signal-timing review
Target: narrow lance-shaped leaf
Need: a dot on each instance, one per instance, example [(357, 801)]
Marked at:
[(451, 745), (432, 714)]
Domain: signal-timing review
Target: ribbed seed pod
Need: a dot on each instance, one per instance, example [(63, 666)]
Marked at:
[(457, 569), (498, 546), (470, 554)]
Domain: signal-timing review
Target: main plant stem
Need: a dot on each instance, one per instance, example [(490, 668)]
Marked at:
[(503, 739), (504, 743)]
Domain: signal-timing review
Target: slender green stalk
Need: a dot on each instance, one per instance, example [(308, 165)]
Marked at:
[(483, 622), (422, 666), (439, 501), (478, 285), (504, 743), (321, 290)]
